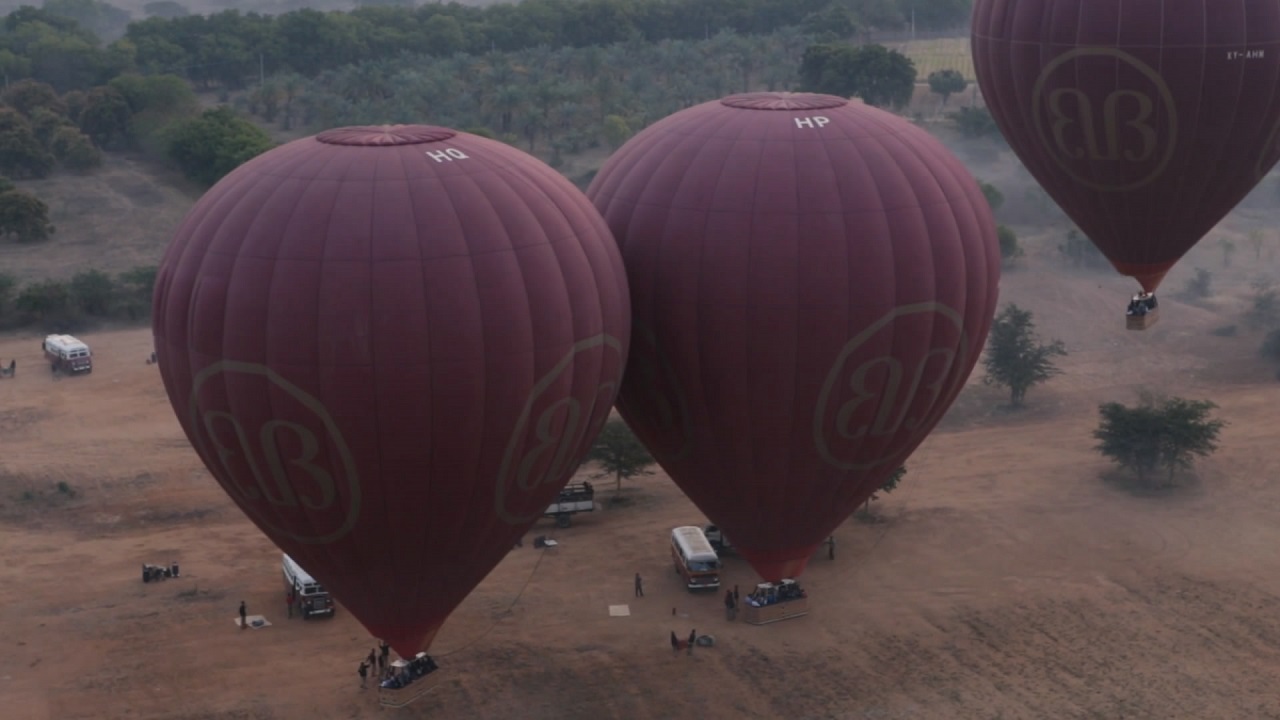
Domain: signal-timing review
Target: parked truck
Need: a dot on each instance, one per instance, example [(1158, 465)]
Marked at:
[(717, 539), (67, 355), (574, 498)]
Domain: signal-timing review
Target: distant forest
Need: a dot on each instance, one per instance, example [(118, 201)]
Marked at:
[(554, 76)]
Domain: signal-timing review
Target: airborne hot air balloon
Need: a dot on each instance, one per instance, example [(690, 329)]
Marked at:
[(391, 346), (1146, 120), (812, 281)]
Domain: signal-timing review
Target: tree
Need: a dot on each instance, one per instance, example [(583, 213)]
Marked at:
[(75, 150), (975, 123), (889, 486), (134, 290), (26, 96), (1270, 349), (24, 216), (1014, 359), (994, 197), (1199, 286), (44, 300), (878, 75), (946, 82), (92, 292), (616, 131), (208, 147), (8, 284), (619, 453), (1010, 250), (1157, 434), (1256, 239), (1264, 308), (22, 155)]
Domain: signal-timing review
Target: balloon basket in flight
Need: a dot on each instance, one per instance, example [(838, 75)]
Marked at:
[(408, 682), (1143, 312), (775, 602)]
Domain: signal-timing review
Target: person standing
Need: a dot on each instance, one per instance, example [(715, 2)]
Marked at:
[(730, 607), (693, 638), (289, 600), (639, 586), (364, 674), (831, 548), (675, 642), (383, 650), (244, 616)]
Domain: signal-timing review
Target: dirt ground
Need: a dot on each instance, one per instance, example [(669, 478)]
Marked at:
[(1012, 575)]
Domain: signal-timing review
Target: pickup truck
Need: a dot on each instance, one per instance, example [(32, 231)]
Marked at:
[(717, 539), (574, 498)]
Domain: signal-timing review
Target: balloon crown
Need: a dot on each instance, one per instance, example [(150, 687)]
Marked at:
[(385, 135), (782, 101)]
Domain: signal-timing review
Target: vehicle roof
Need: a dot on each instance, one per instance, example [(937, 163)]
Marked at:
[(65, 342), (296, 571), (694, 543)]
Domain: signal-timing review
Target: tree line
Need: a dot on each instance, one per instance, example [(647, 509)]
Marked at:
[(89, 296)]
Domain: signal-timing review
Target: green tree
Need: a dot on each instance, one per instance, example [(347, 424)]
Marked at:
[(994, 197), (75, 150), (134, 288), (975, 123), (1264, 305), (92, 292), (24, 216), (619, 453), (21, 154), (1014, 358), (1199, 286), (1157, 434), (616, 131), (880, 76), (890, 484), (26, 96), (165, 9), (105, 117), (946, 83), (208, 147), (1010, 250), (44, 301), (8, 285)]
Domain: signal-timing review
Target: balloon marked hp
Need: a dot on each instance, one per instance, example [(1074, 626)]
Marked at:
[(259, 474), (872, 398)]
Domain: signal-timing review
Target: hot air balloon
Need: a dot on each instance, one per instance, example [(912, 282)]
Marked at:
[(812, 282), (1146, 120), (391, 346)]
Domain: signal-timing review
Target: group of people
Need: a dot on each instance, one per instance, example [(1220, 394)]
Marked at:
[(419, 667), (1141, 304), (771, 593), (376, 660), (675, 641), (159, 572)]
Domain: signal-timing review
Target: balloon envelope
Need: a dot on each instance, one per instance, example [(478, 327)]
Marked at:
[(391, 346), (812, 282), (1147, 121)]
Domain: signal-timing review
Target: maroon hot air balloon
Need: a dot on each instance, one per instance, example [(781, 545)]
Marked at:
[(391, 346), (1146, 120), (812, 282)]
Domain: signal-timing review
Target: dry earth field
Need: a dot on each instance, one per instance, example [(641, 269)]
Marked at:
[(1013, 575)]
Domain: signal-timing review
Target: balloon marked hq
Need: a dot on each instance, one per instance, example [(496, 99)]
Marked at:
[(1147, 122), (391, 346)]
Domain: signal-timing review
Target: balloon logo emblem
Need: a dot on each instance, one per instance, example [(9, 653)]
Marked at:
[(276, 466), (560, 429), (869, 397), (1131, 130), (663, 402)]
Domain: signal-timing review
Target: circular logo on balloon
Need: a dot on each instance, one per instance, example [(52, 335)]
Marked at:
[(552, 431), (654, 396), (887, 388), (289, 468), (1105, 117)]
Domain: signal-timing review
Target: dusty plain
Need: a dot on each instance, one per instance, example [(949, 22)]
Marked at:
[(1012, 575)]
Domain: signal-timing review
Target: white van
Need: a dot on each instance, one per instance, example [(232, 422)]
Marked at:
[(694, 558), (67, 354), (309, 595)]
